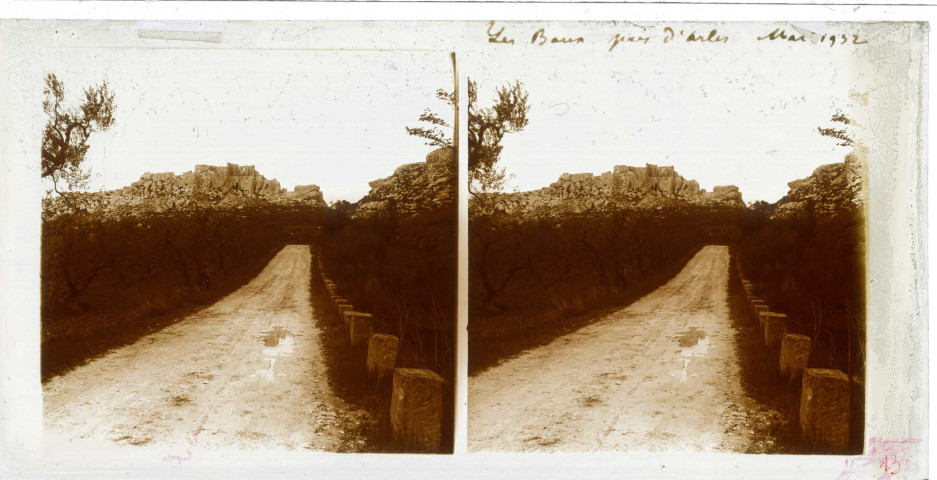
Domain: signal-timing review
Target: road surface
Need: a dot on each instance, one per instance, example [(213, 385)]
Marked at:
[(661, 374), (244, 372)]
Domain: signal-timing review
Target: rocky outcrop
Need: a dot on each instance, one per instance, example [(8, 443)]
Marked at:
[(625, 186), (414, 188), (831, 189), (230, 186), (231, 180)]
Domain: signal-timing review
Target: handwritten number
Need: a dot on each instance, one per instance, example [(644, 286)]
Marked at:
[(890, 464)]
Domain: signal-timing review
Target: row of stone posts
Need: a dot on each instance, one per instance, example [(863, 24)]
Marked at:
[(825, 393), (416, 394)]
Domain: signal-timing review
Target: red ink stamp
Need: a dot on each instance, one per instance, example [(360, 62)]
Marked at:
[(884, 459)]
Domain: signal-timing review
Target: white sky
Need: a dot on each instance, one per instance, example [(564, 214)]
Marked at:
[(331, 118), (743, 113)]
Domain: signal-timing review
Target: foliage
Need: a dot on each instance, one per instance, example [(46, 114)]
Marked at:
[(434, 135), (846, 139), (89, 261), (810, 266), (401, 268), (518, 263), (487, 126), (66, 134)]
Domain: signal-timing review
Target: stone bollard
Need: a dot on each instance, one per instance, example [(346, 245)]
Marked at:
[(359, 331), (382, 355), (759, 309), (342, 308), (755, 302), (824, 409), (775, 328), (761, 318), (346, 317), (795, 353), (416, 409)]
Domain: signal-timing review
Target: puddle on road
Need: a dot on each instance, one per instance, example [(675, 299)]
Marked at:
[(690, 337), (693, 343), (278, 342), (272, 338)]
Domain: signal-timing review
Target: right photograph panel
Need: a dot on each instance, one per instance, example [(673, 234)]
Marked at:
[(667, 233)]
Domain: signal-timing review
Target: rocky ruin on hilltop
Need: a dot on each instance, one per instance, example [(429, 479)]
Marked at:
[(231, 186), (414, 187), (830, 189), (650, 186)]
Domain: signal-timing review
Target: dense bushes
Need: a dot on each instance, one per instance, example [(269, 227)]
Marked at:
[(103, 277), (529, 276), (812, 268), (402, 269)]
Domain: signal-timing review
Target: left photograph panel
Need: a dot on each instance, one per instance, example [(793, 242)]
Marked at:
[(245, 248)]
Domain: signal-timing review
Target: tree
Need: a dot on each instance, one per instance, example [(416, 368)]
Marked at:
[(436, 137), (845, 138), (65, 137), (486, 128)]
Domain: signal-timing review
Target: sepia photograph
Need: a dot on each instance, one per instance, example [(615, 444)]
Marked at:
[(667, 235), (447, 239), (246, 248)]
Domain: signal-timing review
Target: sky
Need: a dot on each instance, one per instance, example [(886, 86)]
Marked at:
[(744, 113), (332, 118)]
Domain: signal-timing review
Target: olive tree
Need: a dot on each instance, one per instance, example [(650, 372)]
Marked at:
[(486, 127), (66, 134)]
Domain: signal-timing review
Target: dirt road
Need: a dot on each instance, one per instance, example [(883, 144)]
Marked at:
[(661, 374), (244, 372)]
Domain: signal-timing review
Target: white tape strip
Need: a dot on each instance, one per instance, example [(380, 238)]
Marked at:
[(181, 30)]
